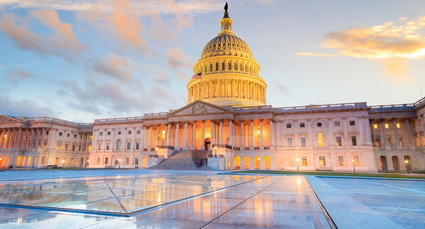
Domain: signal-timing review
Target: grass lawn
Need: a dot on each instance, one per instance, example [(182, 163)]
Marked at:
[(384, 175)]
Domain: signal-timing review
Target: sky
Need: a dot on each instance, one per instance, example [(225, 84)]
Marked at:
[(81, 60)]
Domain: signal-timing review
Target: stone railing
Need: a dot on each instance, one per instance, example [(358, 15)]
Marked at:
[(59, 121), (321, 107)]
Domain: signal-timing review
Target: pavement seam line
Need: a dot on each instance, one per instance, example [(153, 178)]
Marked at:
[(241, 203), (116, 197)]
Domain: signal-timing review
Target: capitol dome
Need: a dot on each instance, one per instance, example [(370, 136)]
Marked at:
[(227, 73)]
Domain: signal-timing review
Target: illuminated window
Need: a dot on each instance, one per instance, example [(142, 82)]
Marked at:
[(352, 123), (320, 139), (377, 142), (401, 141), (341, 160), (322, 161), (375, 126), (303, 142), (354, 140), (338, 141), (304, 160), (72, 161), (289, 142), (387, 126), (337, 123), (398, 125), (57, 161), (420, 122)]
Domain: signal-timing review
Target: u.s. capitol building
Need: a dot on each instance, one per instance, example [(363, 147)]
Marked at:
[(227, 120)]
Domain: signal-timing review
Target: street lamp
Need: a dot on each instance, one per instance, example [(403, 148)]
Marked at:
[(298, 169), (156, 152), (215, 153), (63, 163), (354, 167), (406, 162)]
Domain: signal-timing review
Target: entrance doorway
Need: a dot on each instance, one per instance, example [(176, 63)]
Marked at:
[(383, 162), (395, 163), (207, 143)]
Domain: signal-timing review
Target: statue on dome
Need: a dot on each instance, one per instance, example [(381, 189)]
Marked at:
[(226, 7)]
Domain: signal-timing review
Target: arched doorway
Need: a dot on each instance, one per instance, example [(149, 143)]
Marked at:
[(407, 162), (4, 162), (383, 162), (237, 162), (257, 162), (247, 162), (267, 162), (395, 163), (207, 143)]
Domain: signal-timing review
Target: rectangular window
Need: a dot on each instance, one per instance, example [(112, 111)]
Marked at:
[(60, 133), (75, 136), (68, 135), (128, 145), (302, 125), (66, 147), (356, 160), (98, 160), (129, 132), (354, 140), (100, 133), (99, 146), (138, 132), (106, 160), (72, 161), (386, 125), (304, 160), (340, 160), (57, 161), (322, 161), (289, 142), (338, 141), (136, 161), (352, 123), (398, 125), (303, 143), (73, 147), (107, 146), (137, 145), (109, 132), (401, 141), (127, 160), (375, 126), (289, 125), (337, 123)]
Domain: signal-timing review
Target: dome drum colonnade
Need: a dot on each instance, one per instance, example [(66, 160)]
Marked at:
[(227, 74)]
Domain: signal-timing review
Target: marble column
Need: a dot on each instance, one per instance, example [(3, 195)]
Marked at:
[(220, 133), (409, 133), (272, 134), (397, 137), (194, 135), (202, 135), (251, 134), (168, 134), (176, 144), (242, 136), (384, 134), (231, 133), (261, 135), (213, 134), (185, 136)]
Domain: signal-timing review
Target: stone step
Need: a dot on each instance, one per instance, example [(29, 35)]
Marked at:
[(185, 160)]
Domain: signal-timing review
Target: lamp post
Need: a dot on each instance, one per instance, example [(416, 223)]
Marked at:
[(354, 167), (88, 162), (298, 168), (156, 152), (215, 153), (406, 162), (63, 164)]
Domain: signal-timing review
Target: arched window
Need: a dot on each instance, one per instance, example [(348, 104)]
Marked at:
[(137, 145), (236, 66), (320, 139), (128, 145), (230, 66), (118, 144)]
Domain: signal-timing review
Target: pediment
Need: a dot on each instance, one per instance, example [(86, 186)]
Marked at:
[(6, 119), (199, 108)]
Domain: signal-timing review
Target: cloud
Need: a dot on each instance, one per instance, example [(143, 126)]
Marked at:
[(314, 54), (17, 75), (177, 60), (62, 42), (24, 107), (382, 41), (283, 89), (162, 6), (113, 66), (396, 68), (160, 75), (264, 2)]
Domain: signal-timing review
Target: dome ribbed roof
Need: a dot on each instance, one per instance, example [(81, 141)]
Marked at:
[(226, 45)]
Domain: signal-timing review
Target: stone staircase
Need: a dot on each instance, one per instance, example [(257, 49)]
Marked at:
[(185, 160)]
